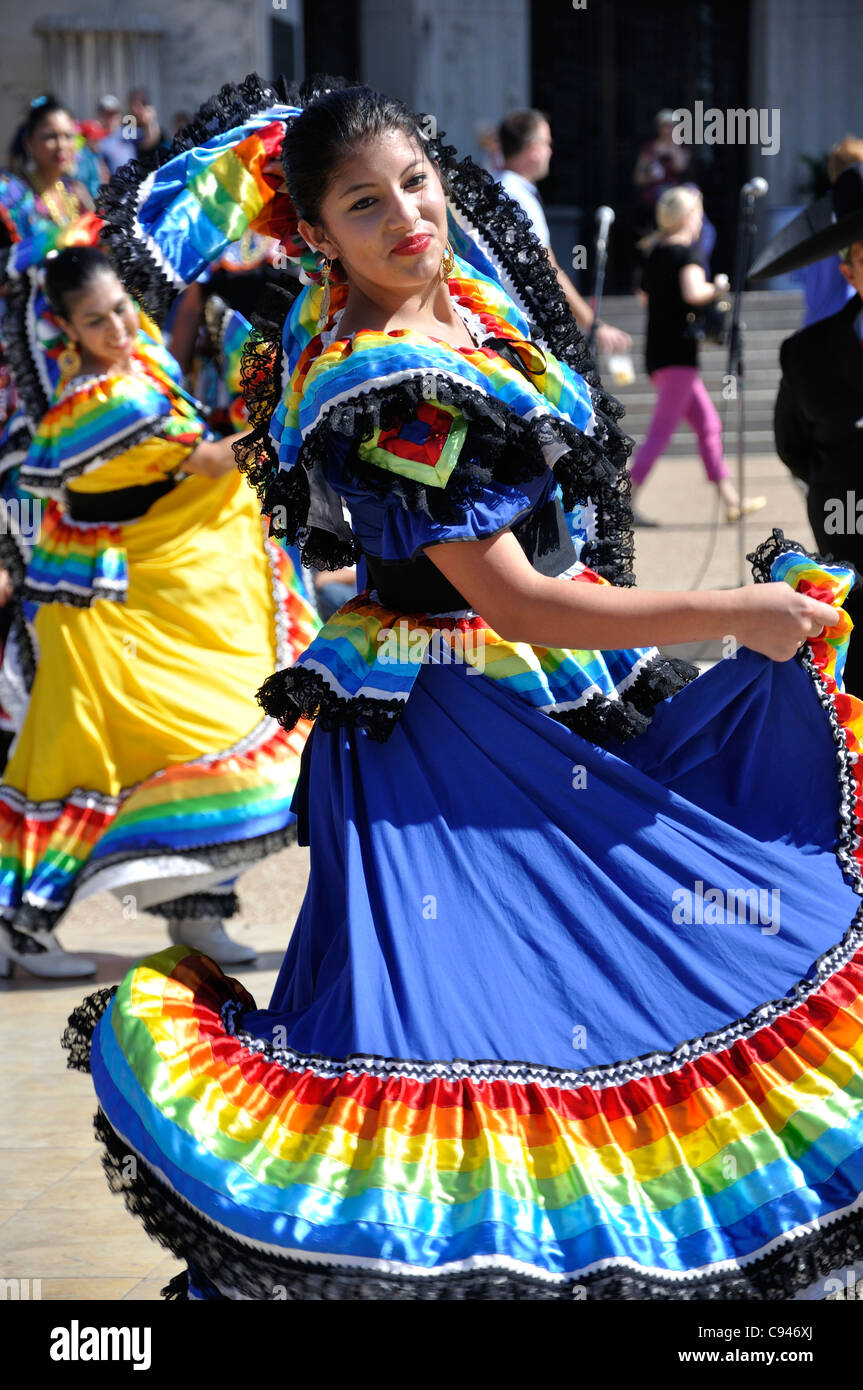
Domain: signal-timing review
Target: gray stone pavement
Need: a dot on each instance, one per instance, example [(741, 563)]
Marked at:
[(58, 1221)]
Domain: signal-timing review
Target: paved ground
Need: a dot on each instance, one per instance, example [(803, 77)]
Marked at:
[(58, 1221)]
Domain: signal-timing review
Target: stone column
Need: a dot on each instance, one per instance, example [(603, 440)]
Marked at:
[(805, 63)]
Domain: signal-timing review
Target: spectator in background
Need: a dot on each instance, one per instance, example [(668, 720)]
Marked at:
[(661, 164), (525, 143), (675, 284), (115, 147), (486, 138), (820, 401), (150, 139), (179, 120), (826, 288), (90, 167)]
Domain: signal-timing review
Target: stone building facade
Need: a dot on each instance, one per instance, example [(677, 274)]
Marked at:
[(601, 67)]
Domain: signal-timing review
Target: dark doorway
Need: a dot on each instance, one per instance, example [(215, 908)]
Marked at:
[(283, 49), (332, 38), (602, 72)]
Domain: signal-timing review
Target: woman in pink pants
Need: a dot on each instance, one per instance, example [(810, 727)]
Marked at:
[(674, 282)]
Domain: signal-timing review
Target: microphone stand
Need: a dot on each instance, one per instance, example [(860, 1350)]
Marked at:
[(734, 367), (601, 257)]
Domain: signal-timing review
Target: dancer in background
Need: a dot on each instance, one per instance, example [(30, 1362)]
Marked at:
[(522, 1044), (157, 607), (48, 192)]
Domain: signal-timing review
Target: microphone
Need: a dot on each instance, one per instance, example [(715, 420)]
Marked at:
[(755, 188), (604, 219)]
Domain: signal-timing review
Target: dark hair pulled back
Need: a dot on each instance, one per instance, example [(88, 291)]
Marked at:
[(38, 111), (70, 272), (337, 120)]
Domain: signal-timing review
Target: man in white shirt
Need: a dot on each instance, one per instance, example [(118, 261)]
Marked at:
[(525, 142)]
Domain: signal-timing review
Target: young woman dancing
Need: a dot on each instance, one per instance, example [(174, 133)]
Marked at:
[(573, 999), (148, 607)]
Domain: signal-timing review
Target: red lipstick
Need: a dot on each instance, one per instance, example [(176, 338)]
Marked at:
[(412, 245)]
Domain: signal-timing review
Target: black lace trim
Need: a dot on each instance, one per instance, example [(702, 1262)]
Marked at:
[(508, 232), (177, 1289), (483, 203), (602, 719), (848, 841), (117, 205), (73, 598), (658, 679), (218, 856), (18, 347), (321, 550), (37, 480), (225, 856), (13, 561), (506, 229), (298, 692), (117, 202), (232, 106), (213, 904), (81, 1025), (500, 445), (762, 557), (848, 836), (266, 1275), (18, 440)]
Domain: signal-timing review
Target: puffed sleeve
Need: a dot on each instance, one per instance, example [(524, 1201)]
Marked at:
[(106, 433), (431, 477)]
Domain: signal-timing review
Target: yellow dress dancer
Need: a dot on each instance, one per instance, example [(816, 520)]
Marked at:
[(158, 606)]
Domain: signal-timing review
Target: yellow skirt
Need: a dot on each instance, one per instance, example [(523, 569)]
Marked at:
[(143, 764)]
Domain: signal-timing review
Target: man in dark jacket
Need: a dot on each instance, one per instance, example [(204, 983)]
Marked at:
[(819, 435)]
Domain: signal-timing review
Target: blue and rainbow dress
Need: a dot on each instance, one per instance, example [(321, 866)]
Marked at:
[(574, 1003)]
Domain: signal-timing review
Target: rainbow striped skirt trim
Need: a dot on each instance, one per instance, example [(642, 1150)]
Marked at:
[(184, 830), (179, 825), (705, 1139)]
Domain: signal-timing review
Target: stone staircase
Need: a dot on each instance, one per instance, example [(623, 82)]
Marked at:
[(769, 316)]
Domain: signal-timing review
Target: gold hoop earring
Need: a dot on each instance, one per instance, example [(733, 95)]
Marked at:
[(324, 311), (69, 360), (447, 265)]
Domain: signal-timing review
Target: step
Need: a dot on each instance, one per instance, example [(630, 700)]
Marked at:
[(683, 444), (767, 300)]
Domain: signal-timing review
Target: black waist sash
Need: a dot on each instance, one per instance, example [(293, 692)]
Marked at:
[(123, 504), (417, 586)]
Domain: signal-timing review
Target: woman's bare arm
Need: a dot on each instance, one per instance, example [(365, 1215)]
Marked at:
[(499, 582), (695, 287), (213, 457)]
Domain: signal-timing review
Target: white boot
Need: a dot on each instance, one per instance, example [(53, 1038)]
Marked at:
[(48, 962), (207, 935)]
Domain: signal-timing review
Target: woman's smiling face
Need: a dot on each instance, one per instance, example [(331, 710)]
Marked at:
[(103, 321), (384, 216)]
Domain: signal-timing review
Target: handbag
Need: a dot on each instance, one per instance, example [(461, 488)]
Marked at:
[(709, 324)]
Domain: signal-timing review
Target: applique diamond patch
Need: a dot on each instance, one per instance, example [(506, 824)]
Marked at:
[(424, 447)]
